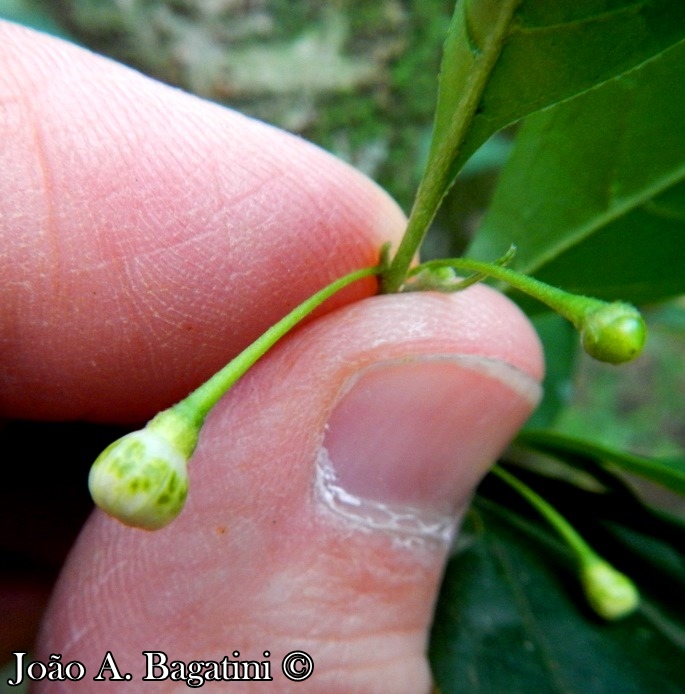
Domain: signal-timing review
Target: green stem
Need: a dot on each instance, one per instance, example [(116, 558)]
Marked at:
[(197, 405), (573, 307), (142, 478), (581, 549), (474, 67), (612, 332)]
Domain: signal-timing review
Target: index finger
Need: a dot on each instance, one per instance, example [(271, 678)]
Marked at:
[(149, 235)]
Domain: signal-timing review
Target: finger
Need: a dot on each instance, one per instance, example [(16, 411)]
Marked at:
[(324, 495), (149, 235)]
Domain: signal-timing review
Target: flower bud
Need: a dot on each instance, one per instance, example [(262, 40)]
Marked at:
[(614, 333), (440, 279), (141, 479), (611, 594)]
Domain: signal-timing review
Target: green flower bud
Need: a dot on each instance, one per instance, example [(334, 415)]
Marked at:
[(614, 333), (142, 479), (611, 594)]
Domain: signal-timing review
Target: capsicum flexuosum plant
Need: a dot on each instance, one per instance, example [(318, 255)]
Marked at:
[(142, 480)]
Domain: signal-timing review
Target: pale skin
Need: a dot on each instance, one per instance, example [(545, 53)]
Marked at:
[(148, 236)]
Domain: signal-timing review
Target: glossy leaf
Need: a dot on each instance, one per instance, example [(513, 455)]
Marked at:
[(554, 50), (511, 618), (558, 49), (506, 59), (594, 192)]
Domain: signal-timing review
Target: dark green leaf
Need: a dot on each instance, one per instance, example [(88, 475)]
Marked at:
[(491, 156), (505, 59), (594, 193), (560, 343), (558, 49), (510, 617)]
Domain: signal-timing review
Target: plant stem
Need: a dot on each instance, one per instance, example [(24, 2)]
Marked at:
[(469, 58), (142, 478), (197, 405), (612, 332), (580, 548), (573, 307)]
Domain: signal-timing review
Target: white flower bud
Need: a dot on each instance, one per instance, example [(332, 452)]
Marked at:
[(141, 479)]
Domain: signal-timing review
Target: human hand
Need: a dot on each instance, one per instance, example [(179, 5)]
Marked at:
[(147, 237)]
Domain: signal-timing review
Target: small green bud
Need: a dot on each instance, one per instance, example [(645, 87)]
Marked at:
[(614, 333), (141, 479), (439, 279), (611, 594)]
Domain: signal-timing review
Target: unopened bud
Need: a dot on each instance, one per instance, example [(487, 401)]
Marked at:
[(611, 594), (142, 478), (614, 333)]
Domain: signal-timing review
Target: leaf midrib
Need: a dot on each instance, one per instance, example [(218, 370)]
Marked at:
[(599, 17), (617, 209)]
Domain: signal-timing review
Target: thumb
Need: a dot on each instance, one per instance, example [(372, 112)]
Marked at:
[(324, 495)]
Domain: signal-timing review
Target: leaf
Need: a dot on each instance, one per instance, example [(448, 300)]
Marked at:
[(505, 59), (558, 49), (559, 339), (510, 617), (669, 472), (594, 192), (555, 50), (490, 157)]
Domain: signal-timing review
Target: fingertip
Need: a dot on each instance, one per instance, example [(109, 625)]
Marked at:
[(155, 234)]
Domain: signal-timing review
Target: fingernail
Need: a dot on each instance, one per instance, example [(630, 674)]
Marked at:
[(409, 440)]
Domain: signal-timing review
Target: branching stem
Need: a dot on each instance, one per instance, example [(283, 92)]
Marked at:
[(472, 68)]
